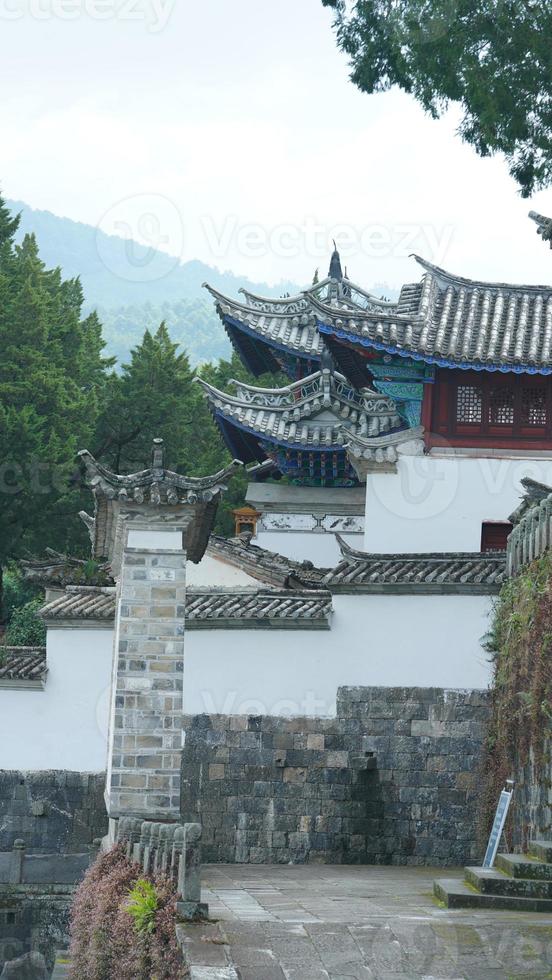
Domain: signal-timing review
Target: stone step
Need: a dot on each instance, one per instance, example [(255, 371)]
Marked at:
[(458, 894), (490, 881), (523, 866), (541, 849)]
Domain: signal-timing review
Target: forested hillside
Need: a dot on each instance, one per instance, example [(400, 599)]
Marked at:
[(126, 307), (192, 323), (59, 393)]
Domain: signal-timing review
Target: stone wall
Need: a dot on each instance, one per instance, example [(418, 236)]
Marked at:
[(392, 779), (53, 812), (531, 811), (33, 918)]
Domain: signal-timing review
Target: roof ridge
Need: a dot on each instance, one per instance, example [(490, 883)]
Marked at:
[(452, 278)]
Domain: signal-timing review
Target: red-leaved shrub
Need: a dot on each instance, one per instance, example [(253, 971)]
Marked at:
[(104, 942)]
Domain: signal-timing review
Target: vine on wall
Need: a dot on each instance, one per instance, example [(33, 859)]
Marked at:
[(521, 646)]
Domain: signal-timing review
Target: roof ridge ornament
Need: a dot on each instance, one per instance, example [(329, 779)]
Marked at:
[(544, 226), (335, 271), (158, 455), (156, 496)]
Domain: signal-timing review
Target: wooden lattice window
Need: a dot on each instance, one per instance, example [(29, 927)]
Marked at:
[(492, 408), (533, 406), (469, 404), (501, 405)]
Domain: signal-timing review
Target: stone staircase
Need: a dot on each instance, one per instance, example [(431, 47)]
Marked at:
[(521, 882)]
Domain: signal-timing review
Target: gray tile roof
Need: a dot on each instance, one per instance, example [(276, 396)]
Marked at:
[(444, 319), (450, 573), (157, 486), (278, 609), (360, 571), (81, 603), (317, 412), (22, 666), (288, 324), (455, 321), (206, 608), (266, 566)]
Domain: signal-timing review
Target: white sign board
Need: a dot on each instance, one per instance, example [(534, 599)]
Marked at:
[(498, 827)]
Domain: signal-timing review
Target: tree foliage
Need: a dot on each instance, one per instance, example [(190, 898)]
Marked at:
[(493, 57), (59, 394), (52, 375)]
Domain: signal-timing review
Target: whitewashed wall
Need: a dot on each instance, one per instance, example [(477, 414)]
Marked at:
[(425, 641), (65, 725), (422, 641), (319, 547), (438, 503)]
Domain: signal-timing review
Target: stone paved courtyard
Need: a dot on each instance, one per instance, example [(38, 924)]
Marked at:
[(320, 922)]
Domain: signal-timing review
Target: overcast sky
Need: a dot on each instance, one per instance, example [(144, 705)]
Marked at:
[(229, 131)]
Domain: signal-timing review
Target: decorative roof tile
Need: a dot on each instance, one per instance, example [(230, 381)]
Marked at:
[(22, 666), (284, 609), (287, 324), (159, 490), (206, 608), (544, 226), (455, 572), (454, 322), (360, 571), (317, 413), (82, 603)]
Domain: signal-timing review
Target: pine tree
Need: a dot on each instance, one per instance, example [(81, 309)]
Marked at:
[(51, 377), (153, 396)]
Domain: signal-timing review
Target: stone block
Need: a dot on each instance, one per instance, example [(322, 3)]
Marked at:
[(216, 771), (295, 775)]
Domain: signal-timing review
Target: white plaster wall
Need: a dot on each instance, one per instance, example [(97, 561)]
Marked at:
[(422, 641), (65, 725), (425, 641), (438, 503), (164, 540), (319, 547), (215, 572)]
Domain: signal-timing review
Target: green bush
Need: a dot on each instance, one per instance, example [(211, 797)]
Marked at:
[(142, 906), (16, 592), (25, 628)]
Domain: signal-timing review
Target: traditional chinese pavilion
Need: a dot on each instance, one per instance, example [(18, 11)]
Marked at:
[(439, 402)]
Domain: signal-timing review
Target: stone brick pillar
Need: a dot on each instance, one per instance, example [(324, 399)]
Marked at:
[(143, 777), (147, 524)]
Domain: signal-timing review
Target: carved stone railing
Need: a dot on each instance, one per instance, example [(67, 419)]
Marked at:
[(171, 849), (531, 537)]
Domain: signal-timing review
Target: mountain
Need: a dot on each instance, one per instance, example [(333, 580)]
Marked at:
[(134, 288), (118, 272)]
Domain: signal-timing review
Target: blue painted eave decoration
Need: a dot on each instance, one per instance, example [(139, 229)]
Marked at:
[(239, 325), (325, 328)]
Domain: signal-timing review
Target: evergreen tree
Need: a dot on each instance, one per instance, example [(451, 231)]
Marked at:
[(51, 377), (153, 396)]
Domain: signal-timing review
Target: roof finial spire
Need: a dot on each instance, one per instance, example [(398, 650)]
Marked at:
[(158, 455), (335, 265)]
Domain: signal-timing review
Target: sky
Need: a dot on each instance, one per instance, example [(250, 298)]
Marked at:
[(230, 132)]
